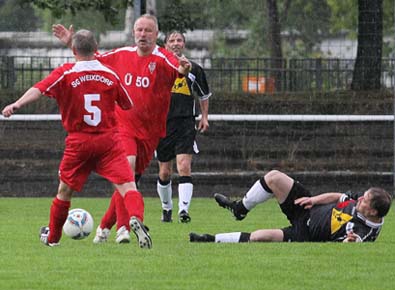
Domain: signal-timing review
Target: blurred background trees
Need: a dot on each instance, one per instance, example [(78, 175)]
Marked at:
[(275, 29), (266, 28), (18, 16)]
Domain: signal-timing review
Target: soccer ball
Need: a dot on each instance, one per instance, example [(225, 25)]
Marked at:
[(79, 224)]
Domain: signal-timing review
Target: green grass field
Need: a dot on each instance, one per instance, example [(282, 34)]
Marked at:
[(175, 263)]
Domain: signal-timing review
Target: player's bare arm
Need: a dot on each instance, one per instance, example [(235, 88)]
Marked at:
[(203, 123), (325, 198), (31, 95), (63, 34)]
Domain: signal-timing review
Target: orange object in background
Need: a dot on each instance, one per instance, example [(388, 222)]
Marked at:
[(258, 85)]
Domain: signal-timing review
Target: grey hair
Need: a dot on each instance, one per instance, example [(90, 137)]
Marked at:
[(84, 42), (151, 17)]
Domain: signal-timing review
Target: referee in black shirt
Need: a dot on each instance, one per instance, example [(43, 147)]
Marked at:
[(179, 142)]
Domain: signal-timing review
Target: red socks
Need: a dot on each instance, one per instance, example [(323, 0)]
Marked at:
[(122, 215), (134, 204), (57, 217), (122, 208), (110, 217)]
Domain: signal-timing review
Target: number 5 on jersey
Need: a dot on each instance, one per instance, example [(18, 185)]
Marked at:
[(94, 118)]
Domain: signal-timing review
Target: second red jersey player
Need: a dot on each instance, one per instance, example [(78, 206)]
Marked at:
[(148, 73), (149, 79)]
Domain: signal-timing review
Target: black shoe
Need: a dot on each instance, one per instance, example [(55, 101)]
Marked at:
[(205, 238), (141, 232), (166, 216), (236, 207), (184, 217)]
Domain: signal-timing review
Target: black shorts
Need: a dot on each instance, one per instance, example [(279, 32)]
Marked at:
[(180, 139), (297, 215)]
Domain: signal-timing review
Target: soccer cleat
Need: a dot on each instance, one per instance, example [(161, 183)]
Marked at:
[(184, 217), (43, 234), (166, 216), (204, 238), (141, 232), (123, 236), (236, 207), (101, 235)]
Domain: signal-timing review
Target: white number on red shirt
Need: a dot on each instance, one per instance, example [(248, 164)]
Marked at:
[(140, 81), (94, 118), (128, 79)]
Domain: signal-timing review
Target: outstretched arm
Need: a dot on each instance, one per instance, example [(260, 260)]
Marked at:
[(31, 95), (63, 34), (325, 198)]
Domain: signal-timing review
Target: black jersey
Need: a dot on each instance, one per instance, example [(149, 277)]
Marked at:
[(332, 222), (185, 89)]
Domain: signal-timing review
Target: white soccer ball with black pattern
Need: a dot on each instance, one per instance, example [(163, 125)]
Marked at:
[(79, 224)]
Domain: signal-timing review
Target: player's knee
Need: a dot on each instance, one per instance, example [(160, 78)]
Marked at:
[(184, 171), (165, 170), (164, 175), (272, 177)]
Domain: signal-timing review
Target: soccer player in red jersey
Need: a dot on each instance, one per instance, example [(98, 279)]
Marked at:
[(86, 93), (148, 72)]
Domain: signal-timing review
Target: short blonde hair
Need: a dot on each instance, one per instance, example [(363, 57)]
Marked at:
[(151, 17)]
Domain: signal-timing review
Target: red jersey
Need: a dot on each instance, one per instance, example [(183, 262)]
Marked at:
[(149, 80), (86, 92)]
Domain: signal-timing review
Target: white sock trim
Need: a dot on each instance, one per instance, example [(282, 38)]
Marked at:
[(228, 237), (185, 191), (165, 193), (255, 195)]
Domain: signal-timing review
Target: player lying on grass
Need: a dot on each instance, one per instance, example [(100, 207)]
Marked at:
[(325, 217), (87, 93)]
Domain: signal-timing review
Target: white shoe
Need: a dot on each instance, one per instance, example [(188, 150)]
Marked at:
[(43, 234), (141, 232), (123, 235), (101, 235)]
